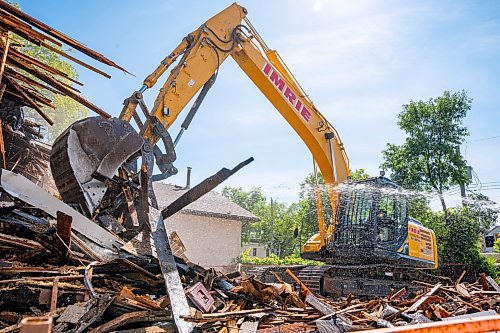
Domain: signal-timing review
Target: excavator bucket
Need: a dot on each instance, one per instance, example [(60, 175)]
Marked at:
[(91, 148)]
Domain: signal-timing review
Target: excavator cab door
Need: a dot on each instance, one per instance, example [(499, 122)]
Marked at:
[(372, 222), (391, 221)]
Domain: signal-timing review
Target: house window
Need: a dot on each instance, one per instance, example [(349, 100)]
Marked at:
[(490, 241), (254, 252)]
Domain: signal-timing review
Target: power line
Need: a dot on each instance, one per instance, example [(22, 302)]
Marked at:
[(478, 140), (483, 139)]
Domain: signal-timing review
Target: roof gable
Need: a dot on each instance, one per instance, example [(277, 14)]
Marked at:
[(211, 204), (495, 230)]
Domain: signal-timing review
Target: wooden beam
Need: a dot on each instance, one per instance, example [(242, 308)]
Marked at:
[(422, 299), (5, 52), (58, 85), (78, 61), (29, 101), (58, 35), (22, 242), (173, 284), (53, 297), (43, 66), (2, 146), (21, 77)]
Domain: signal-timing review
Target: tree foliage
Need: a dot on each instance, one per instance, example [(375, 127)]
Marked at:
[(485, 210), (286, 219), (307, 196), (359, 174), (429, 159), (253, 201), (66, 109)]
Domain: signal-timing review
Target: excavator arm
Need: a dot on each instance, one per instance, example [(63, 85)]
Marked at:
[(194, 64), (199, 57)]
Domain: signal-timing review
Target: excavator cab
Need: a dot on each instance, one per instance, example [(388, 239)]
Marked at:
[(372, 226), (371, 215)]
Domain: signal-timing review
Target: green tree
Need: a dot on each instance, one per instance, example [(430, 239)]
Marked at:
[(286, 219), (463, 238), (253, 201), (485, 210), (359, 174), (309, 210), (66, 109), (429, 159), (458, 234)]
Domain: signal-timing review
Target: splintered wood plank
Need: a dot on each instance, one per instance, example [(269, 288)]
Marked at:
[(493, 283), (316, 303), (53, 297), (178, 300), (20, 187), (422, 299)]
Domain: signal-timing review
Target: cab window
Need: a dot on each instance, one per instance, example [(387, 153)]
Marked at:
[(386, 219)]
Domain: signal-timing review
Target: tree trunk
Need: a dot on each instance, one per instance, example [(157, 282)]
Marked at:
[(443, 204)]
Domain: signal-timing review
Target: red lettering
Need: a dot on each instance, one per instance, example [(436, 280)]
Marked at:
[(278, 82), (266, 69), (298, 105), (290, 95), (305, 113)]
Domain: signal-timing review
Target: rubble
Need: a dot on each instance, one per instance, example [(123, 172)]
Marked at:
[(43, 272), (64, 271)]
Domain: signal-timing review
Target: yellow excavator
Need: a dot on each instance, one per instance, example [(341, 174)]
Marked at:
[(370, 236)]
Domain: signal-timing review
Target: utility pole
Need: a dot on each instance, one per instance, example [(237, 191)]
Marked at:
[(271, 220), (463, 194)]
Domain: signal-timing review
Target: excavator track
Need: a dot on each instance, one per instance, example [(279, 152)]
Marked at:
[(374, 280), (312, 277)]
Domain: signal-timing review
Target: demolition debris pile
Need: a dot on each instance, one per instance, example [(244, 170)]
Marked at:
[(118, 268), (47, 269), (28, 82)]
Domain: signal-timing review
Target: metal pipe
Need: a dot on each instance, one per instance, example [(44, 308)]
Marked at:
[(329, 136), (188, 178), (178, 137), (143, 88), (256, 34), (194, 108)]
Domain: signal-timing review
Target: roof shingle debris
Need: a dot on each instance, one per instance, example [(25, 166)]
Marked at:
[(211, 204)]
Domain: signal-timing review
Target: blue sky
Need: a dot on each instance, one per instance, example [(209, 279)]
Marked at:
[(359, 61)]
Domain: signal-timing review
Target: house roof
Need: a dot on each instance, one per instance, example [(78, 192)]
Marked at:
[(211, 204), (495, 230)]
